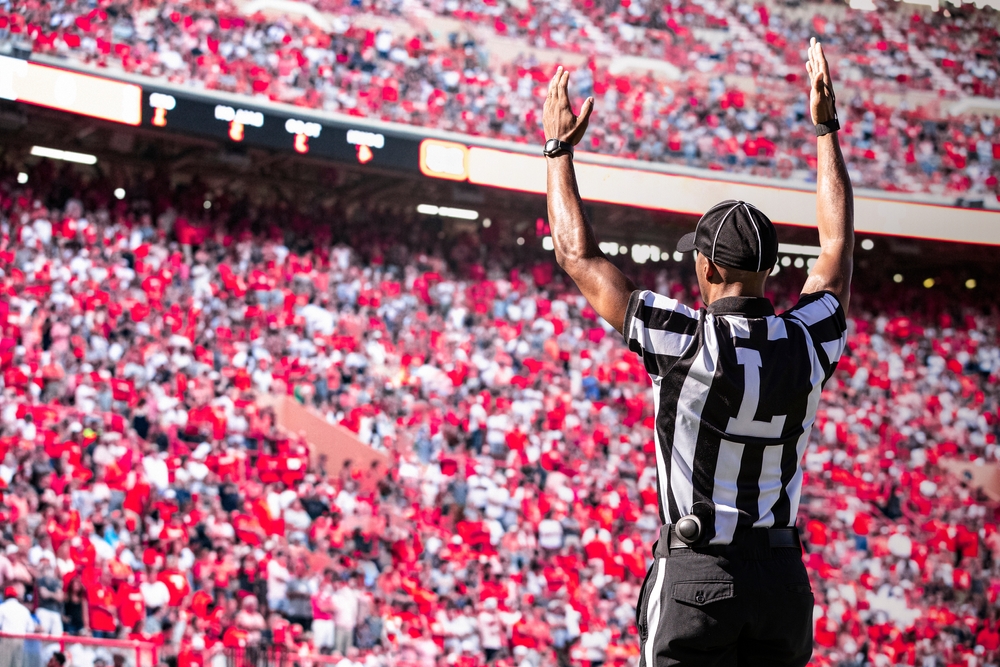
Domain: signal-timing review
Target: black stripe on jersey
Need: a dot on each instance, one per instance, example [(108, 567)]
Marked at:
[(825, 331), (627, 324), (655, 318), (665, 320), (660, 509), (793, 422), (659, 365), (789, 464), (830, 328), (666, 419), (716, 411), (748, 485)]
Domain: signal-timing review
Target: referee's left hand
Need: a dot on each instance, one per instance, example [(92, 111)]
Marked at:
[(558, 118)]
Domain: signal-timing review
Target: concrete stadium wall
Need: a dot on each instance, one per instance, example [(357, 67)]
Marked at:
[(337, 443)]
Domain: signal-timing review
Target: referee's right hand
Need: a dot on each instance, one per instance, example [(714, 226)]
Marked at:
[(558, 118), (821, 96), (834, 266)]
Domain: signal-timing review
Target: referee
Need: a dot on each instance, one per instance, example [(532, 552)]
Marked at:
[(735, 389)]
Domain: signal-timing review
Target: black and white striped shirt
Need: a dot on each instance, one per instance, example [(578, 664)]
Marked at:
[(735, 390)]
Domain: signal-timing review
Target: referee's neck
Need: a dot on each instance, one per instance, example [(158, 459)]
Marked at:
[(717, 281), (716, 291)]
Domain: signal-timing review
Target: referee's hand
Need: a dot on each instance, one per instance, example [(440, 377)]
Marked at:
[(821, 97), (558, 118)]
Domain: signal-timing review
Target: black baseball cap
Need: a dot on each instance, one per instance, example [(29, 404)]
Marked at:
[(734, 234)]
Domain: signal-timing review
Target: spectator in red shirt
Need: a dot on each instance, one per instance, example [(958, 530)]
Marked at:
[(102, 607)]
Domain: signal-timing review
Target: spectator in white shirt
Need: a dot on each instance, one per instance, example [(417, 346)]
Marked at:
[(155, 593), (550, 533), (15, 619), (490, 630), (277, 582), (41, 550), (345, 616)]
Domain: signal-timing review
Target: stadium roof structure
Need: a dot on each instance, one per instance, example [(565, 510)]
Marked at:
[(243, 122)]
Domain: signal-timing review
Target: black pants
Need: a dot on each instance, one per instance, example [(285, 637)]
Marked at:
[(738, 605)]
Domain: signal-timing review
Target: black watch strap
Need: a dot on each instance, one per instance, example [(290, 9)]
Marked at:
[(823, 129), (556, 147)]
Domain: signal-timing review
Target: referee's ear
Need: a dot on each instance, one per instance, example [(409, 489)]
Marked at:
[(712, 273)]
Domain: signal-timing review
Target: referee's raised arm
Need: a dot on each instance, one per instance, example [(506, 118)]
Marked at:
[(602, 284), (834, 195)]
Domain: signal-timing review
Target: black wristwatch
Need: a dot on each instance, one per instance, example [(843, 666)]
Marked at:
[(825, 128), (555, 148)]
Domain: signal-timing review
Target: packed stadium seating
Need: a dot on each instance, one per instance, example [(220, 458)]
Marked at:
[(961, 44), (705, 120), (140, 474)]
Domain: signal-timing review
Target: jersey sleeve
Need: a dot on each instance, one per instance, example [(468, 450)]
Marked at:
[(823, 318), (659, 329)]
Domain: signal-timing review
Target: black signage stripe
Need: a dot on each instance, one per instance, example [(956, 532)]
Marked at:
[(198, 117)]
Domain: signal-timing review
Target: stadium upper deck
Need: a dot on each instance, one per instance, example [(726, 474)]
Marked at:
[(703, 84)]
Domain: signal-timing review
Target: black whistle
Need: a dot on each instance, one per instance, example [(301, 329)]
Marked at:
[(688, 529)]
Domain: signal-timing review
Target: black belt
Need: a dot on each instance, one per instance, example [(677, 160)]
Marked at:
[(779, 538)]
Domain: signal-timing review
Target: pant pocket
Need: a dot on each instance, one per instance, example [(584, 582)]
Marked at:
[(700, 593)]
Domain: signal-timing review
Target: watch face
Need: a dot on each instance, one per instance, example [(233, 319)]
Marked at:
[(553, 147)]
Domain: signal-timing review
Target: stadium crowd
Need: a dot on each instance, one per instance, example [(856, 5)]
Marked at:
[(703, 120), (147, 494)]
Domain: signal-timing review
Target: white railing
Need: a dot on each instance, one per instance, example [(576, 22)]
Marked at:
[(35, 650)]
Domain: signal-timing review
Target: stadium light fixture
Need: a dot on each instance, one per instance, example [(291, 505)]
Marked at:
[(22, 177), (67, 156), (799, 263), (520, 240), (642, 253), (486, 223), (449, 212), (461, 213), (547, 243), (119, 193), (867, 244), (928, 283), (609, 248), (898, 278), (678, 255), (786, 261), (793, 249), (970, 283)]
